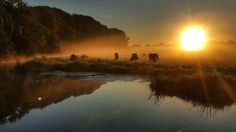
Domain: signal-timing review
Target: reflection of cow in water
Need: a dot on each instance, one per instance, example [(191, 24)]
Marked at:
[(153, 57), (116, 56), (73, 57), (134, 57)]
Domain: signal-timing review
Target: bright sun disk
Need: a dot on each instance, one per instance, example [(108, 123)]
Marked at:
[(193, 38)]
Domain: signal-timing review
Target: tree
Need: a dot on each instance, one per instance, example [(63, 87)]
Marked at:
[(41, 29), (9, 25)]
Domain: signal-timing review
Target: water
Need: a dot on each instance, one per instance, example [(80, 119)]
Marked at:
[(102, 102)]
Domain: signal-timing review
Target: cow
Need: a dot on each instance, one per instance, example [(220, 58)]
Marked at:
[(44, 57), (134, 57), (116, 56), (153, 57), (73, 57)]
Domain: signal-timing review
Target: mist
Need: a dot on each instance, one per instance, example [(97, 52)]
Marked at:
[(214, 52)]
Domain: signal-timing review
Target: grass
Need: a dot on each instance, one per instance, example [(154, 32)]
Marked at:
[(39, 65)]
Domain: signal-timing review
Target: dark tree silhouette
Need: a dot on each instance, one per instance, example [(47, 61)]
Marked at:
[(30, 30)]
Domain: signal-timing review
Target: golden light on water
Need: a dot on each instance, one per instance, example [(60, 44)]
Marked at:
[(39, 98), (193, 38)]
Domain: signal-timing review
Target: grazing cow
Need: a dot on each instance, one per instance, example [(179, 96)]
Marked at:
[(134, 57), (44, 57), (73, 57), (116, 56), (153, 57)]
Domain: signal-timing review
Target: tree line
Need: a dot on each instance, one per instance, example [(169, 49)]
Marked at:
[(28, 30)]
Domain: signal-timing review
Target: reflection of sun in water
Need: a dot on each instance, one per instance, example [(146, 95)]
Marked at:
[(193, 38)]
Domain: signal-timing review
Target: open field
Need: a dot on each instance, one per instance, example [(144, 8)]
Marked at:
[(39, 65)]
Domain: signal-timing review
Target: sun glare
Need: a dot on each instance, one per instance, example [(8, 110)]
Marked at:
[(193, 38)]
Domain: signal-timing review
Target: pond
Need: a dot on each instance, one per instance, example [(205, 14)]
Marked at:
[(60, 101)]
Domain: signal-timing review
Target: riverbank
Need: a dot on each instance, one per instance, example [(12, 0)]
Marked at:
[(39, 65)]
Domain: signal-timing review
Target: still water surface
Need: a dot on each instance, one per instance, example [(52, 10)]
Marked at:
[(101, 102)]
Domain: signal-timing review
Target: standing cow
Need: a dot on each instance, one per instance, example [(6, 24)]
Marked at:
[(73, 57), (116, 56), (153, 57), (134, 57)]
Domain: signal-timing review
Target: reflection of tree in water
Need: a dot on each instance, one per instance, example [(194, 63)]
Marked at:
[(206, 91), (18, 95)]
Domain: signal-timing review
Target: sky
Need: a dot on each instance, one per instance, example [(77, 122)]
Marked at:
[(154, 21)]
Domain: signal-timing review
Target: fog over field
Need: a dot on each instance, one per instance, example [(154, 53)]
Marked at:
[(215, 52)]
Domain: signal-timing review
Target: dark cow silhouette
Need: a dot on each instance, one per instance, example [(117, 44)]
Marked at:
[(116, 56), (73, 57), (134, 57), (44, 57), (153, 57)]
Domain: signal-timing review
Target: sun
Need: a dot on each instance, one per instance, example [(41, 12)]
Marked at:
[(193, 38)]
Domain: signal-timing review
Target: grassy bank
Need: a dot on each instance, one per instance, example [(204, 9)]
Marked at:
[(39, 65)]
